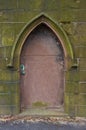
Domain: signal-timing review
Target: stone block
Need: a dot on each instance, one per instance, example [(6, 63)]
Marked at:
[(82, 64), (9, 87), (6, 5), (80, 51), (2, 63), (66, 103), (82, 75), (82, 99), (14, 99), (24, 17), (7, 34), (52, 5), (81, 111), (71, 87), (5, 110), (30, 5), (5, 98), (72, 76), (10, 17), (70, 104), (82, 87), (53, 14), (7, 75)]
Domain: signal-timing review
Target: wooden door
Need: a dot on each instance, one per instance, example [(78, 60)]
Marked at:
[(42, 70)]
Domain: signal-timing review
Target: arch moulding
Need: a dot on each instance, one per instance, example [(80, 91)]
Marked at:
[(55, 27)]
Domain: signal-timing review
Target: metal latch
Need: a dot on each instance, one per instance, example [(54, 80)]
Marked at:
[(22, 69)]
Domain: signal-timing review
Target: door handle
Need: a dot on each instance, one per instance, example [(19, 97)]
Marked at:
[(22, 69)]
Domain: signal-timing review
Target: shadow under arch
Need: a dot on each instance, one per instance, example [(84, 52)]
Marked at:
[(55, 27)]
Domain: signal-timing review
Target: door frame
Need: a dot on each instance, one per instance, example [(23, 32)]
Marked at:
[(14, 61), (55, 27)]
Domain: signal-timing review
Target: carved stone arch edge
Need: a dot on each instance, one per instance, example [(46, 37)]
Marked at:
[(55, 27)]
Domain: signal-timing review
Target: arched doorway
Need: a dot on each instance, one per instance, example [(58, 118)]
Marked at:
[(42, 69)]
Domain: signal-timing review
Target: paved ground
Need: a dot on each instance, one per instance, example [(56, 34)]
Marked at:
[(40, 126)]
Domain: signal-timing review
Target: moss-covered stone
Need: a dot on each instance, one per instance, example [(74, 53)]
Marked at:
[(40, 104), (32, 5), (53, 14), (82, 63), (12, 4), (82, 99), (80, 51), (9, 87), (7, 34), (78, 37), (5, 53), (77, 4), (72, 76), (68, 27), (80, 15), (82, 87), (68, 18), (70, 104), (81, 111), (71, 87), (52, 5), (7, 75), (73, 10), (26, 16), (15, 99), (2, 63), (5, 98), (66, 103), (5, 109), (8, 17), (82, 75)]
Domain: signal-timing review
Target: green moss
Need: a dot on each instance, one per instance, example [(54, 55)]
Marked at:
[(80, 15), (30, 4), (9, 87), (82, 87), (82, 63), (7, 75), (79, 34), (80, 51), (52, 5), (66, 103), (14, 99), (70, 4), (7, 34), (5, 110), (71, 102), (5, 53), (8, 17), (71, 87), (5, 99), (68, 27), (40, 104), (26, 16), (82, 75), (8, 4), (54, 14), (72, 76), (2, 63), (1, 88), (81, 111), (82, 99)]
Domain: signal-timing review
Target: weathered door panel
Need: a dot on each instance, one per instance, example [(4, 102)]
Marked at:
[(43, 81)]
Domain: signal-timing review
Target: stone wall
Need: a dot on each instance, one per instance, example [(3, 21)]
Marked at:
[(71, 16)]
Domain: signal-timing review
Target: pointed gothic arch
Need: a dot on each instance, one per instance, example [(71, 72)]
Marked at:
[(55, 27)]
